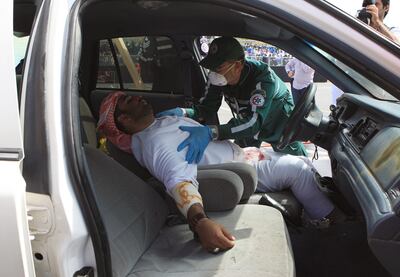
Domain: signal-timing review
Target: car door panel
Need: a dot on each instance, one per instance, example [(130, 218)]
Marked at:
[(14, 234)]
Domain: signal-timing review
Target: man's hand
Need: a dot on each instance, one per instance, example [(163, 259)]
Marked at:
[(214, 236), (197, 142), (374, 12), (290, 74), (378, 25), (172, 112)]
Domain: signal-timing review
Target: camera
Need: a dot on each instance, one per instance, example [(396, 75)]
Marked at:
[(363, 15)]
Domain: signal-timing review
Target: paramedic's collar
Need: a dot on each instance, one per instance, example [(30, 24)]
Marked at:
[(245, 72)]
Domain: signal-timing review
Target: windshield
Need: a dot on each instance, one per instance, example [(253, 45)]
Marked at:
[(371, 87)]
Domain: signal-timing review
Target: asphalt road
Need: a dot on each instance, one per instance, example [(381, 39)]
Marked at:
[(324, 100)]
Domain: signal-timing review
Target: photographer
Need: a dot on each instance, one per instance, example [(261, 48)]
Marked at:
[(373, 13)]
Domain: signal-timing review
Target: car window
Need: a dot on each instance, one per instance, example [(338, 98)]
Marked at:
[(20, 45), (256, 50), (276, 58), (140, 63), (371, 87)]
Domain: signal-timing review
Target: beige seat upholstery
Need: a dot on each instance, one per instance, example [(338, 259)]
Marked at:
[(142, 245), (262, 248)]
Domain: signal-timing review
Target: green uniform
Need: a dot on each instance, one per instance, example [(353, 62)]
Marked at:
[(261, 104)]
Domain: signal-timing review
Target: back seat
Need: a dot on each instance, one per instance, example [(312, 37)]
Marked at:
[(141, 244)]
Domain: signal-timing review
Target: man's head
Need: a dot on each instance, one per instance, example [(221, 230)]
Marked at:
[(132, 114), (226, 57), (382, 5), (122, 115)]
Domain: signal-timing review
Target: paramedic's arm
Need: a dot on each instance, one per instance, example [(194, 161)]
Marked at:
[(211, 234), (209, 104)]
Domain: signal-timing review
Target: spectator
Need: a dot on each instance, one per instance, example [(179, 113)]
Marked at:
[(302, 75), (378, 12)]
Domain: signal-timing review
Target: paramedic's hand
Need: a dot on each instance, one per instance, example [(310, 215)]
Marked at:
[(196, 142), (213, 236), (172, 112)]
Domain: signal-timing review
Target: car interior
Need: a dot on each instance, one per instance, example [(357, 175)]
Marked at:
[(142, 234)]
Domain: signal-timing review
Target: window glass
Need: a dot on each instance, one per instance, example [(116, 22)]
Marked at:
[(374, 89), (276, 58), (20, 45), (145, 63), (107, 74), (253, 49)]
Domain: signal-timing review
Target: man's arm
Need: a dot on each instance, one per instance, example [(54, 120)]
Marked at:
[(211, 234), (260, 105), (377, 24), (209, 104), (289, 67)]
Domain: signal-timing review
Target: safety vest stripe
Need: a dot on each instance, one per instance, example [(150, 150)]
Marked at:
[(246, 125), (205, 92), (164, 47)]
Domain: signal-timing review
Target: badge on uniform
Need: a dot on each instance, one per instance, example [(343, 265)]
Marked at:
[(257, 100)]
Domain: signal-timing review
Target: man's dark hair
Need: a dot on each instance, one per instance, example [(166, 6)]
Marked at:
[(385, 3)]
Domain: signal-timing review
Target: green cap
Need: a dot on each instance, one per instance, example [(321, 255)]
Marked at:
[(222, 49)]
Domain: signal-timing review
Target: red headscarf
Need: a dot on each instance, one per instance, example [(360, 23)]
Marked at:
[(106, 124)]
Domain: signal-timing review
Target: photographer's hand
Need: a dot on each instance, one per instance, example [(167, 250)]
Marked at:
[(374, 12), (378, 25)]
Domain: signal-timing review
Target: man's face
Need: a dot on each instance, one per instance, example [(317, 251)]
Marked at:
[(231, 70), (134, 107), (381, 9)]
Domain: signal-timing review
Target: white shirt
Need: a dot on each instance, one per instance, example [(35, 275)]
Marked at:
[(156, 149), (395, 31), (303, 74)]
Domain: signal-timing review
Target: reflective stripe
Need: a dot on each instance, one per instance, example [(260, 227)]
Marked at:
[(162, 39), (256, 136), (258, 86), (237, 106), (164, 47), (205, 92), (245, 125)]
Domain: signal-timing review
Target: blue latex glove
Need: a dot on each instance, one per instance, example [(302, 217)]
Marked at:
[(196, 142), (176, 111)]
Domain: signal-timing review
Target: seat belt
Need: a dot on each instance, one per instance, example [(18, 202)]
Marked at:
[(187, 58)]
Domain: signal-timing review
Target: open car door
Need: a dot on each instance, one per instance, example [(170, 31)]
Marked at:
[(14, 235)]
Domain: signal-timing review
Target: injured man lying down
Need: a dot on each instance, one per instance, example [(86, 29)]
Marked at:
[(129, 123)]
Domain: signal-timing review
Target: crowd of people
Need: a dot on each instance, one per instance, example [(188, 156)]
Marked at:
[(266, 53)]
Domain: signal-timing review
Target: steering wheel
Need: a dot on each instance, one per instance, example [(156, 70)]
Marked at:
[(300, 112)]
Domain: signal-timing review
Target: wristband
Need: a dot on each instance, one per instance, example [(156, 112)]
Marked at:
[(194, 220)]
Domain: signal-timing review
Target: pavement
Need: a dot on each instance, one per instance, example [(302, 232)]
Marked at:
[(323, 99)]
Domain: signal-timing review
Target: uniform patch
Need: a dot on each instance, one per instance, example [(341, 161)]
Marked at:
[(257, 100)]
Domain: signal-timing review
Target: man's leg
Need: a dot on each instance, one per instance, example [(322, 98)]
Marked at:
[(297, 173)]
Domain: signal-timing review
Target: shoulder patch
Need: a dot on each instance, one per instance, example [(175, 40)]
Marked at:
[(257, 100)]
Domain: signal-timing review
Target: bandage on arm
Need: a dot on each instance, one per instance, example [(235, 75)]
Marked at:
[(185, 195)]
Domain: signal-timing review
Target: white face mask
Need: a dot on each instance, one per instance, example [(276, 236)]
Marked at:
[(217, 79)]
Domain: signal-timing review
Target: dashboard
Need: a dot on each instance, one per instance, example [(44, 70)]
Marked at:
[(365, 157)]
